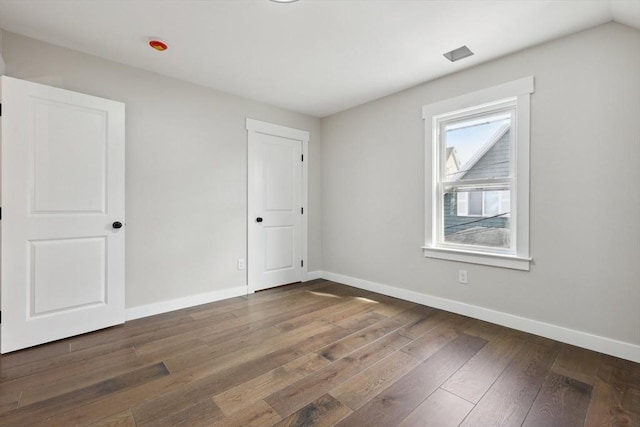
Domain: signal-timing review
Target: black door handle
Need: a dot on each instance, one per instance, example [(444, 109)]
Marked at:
[(117, 224), (258, 219)]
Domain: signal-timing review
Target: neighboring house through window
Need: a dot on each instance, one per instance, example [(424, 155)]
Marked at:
[(477, 149)]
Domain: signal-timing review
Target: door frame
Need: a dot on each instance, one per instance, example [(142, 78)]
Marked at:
[(259, 127)]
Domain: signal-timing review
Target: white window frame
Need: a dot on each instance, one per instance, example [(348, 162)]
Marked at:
[(516, 93)]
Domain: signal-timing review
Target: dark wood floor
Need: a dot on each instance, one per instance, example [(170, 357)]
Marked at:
[(315, 354)]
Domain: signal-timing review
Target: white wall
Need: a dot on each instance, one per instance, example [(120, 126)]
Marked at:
[(186, 169), (2, 66), (585, 197)]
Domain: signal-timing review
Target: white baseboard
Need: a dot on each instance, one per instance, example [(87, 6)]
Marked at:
[(193, 300), (601, 344), (184, 302), (312, 275)]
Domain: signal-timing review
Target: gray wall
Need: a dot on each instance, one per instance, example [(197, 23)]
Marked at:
[(585, 155), (186, 169)]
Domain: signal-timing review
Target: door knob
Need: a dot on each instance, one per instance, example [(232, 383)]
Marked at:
[(117, 224), (258, 219)]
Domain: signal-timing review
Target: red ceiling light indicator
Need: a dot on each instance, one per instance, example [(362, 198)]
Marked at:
[(158, 45)]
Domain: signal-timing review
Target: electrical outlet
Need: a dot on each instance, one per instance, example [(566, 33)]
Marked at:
[(241, 264), (462, 276)]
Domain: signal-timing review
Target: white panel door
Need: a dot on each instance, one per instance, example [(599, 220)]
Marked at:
[(275, 205), (62, 221)]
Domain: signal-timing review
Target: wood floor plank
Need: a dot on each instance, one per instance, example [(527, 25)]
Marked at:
[(362, 318), (365, 385), (123, 419), (235, 372), (475, 377), (34, 354), (509, 399), (248, 346), (631, 404), (186, 386), (80, 369), (606, 408), (333, 313), (486, 330), (257, 360), (440, 409), (83, 375), (178, 339), (61, 362), (396, 402), (418, 328), (247, 393), (293, 303), (9, 400), (322, 412), (255, 300), (562, 402), (578, 363), (175, 350), (619, 372), (414, 314), (432, 341), (389, 306), (137, 335), (297, 395), (259, 321), (96, 349), (359, 339), (202, 412), (556, 346), (317, 341), (259, 414), (42, 409)]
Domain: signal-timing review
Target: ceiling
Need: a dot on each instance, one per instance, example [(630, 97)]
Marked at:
[(313, 56)]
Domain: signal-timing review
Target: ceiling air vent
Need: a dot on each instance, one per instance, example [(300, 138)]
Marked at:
[(459, 53)]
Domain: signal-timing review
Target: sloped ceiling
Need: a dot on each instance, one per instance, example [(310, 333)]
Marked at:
[(312, 56)]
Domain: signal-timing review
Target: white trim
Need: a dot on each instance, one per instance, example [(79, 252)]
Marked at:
[(276, 130), (480, 101), (598, 343), (483, 96), (305, 206), (312, 275), (484, 258), (184, 302)]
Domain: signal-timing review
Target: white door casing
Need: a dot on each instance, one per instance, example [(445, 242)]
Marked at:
[(277, 194), (62, 191)]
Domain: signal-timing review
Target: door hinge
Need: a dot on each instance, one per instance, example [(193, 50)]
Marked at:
[(301, 263), (0, 110)]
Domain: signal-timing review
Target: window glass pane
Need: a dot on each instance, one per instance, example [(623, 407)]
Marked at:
[(478, 148), (491, 203), (475, 203), (490, 230), (505, 203), (463, 204)]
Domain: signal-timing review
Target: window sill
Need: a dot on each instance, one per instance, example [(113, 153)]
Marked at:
[(495, 260)]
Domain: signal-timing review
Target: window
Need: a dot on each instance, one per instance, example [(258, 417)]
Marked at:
[(477, 167)]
